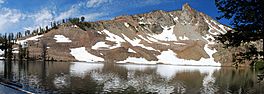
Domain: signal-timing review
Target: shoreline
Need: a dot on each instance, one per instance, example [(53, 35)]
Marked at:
[(103, 62)]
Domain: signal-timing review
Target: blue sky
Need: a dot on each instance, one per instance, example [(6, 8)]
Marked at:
[(21, 15)]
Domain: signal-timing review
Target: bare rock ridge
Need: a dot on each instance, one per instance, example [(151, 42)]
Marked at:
[(181, 37)]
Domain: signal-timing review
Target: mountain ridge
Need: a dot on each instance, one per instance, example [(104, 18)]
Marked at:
[(186, 36)]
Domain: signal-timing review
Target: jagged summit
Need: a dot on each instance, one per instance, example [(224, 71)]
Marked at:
[(186, 6), (178, 37)]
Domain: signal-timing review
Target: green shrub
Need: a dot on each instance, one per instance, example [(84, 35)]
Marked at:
[(259, 65)]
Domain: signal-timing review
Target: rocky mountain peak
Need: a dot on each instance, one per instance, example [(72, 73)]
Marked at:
[(186, 6), (188, 12), (188, 9)]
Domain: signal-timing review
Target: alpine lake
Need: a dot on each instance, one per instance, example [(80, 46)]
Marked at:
[(94, 78)]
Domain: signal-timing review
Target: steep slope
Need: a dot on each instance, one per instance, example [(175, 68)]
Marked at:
[(183, 37)]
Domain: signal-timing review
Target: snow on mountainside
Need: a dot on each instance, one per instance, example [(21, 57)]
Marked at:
[(182, 37)]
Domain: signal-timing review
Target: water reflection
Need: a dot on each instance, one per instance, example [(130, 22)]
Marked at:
[(77, 77), (61, 81), (80, 69)]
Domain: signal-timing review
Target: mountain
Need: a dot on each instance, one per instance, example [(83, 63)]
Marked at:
[(181, 37)]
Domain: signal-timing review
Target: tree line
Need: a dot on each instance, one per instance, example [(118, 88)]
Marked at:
[(8, 40)]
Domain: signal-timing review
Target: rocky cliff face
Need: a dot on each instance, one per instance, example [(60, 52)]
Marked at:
[(182, 37)]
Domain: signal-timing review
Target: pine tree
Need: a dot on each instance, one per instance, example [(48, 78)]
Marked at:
[(82, 19), (47, 29), (247, 20), (55, 25), (44, 51), (51, 24)]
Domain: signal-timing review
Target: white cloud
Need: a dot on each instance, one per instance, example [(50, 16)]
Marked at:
[(38, 19), (12, 20), (2, 1), (96, 3), (43, 16), (9, 17), (74, 12), (12, 15), (69, 13), (93, 16)]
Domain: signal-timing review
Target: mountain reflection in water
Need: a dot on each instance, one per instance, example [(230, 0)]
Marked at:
[(79, 77)]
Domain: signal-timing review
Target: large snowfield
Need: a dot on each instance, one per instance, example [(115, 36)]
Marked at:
[(166, 57), (81, 54)]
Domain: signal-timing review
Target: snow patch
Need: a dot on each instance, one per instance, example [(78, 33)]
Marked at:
[(143, 23), (126, 24), (141, 18), (114, 38), (169, 57), (16, 52), (154, 40), (34, 38), (81, 54), (197, 23), (178, 43), (2, 52), (99, 32), (209, 51), (176, 19), (144, 38), (219, 25), (74, 26), (183, 38), (99, 45), (213, 33), (131, 50), (61, 39), (135, 42), (210, 25)]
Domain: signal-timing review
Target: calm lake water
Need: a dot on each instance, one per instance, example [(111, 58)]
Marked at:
[(77, 77)]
